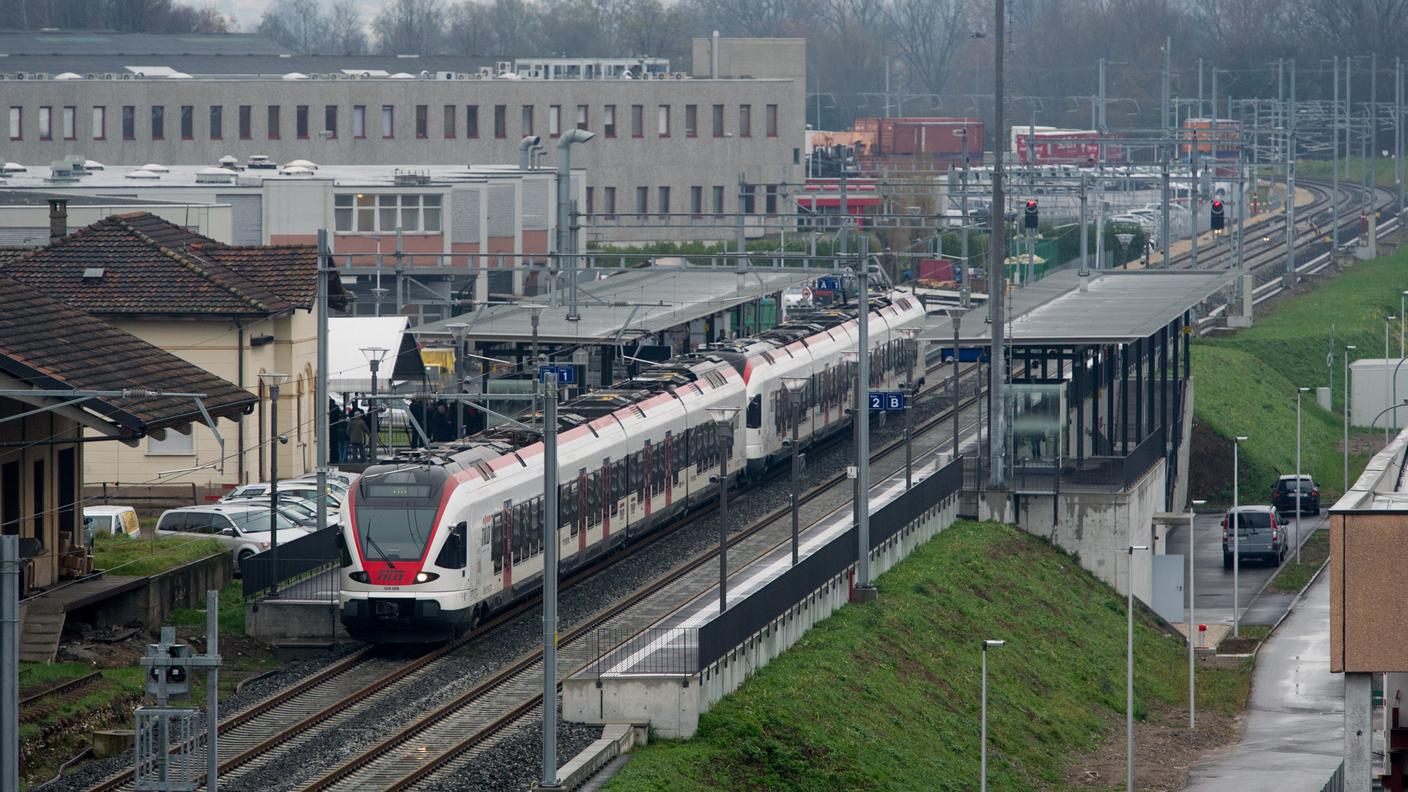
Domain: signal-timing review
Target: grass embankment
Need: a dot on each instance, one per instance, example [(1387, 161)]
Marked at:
[(886, 696), (1246, 382), (122, 555), (1293, 577), (1319, 170)]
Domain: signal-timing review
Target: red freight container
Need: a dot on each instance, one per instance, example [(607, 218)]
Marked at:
[(922, 135), (935, 270)]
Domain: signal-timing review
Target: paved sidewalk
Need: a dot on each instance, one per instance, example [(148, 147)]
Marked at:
[(1295, 718)]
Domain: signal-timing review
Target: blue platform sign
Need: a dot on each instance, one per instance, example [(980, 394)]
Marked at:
[(887, 401), (565, 375)]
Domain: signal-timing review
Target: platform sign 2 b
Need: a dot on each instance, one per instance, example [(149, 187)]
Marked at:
[(565, 375), (887, 401)]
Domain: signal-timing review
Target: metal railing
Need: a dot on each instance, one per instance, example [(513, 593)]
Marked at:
[(1093, 472), (300, 565), (733, 627), (654, 650), (1336, 781)]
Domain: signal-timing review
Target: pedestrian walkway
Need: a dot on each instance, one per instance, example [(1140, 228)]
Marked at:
[(1295, 719)]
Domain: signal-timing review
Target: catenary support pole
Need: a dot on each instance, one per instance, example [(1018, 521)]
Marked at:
[(997, 370), (550, 547), (1335, 166), (212, 691), (862, 426), (1290, 182), (320, 400), (9, 664)]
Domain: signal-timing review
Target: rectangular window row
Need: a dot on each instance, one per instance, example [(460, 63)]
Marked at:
[(368, 213), (303, 125), (696, 200)]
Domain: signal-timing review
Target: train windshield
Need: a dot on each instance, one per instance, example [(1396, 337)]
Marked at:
[(394, 511), (394, 533)]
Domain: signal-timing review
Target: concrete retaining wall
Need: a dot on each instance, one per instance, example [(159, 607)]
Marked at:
[(150, 605), (1098, 527), (277, 621)]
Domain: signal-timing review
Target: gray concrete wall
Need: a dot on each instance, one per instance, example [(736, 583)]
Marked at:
[(1097, 527), (275, 621), (150, 605), (624, 162)]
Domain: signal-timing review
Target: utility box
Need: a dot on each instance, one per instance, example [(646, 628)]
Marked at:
[(1371, 389)]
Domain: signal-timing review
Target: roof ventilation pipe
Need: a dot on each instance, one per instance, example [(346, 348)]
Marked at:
[(714, 55), (525, 147), (565, 246)]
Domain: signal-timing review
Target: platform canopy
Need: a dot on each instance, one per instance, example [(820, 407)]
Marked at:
[(1113, 307), (348, 366), (628, 305)]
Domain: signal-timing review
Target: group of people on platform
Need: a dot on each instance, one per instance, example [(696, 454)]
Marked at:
[(351, 427)]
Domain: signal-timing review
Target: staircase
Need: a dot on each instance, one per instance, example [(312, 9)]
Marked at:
[(40, 628)]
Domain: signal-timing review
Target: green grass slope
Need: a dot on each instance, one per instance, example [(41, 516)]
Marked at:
[(886, 696), (1246, 382)]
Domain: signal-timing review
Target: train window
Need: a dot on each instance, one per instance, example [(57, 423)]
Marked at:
[(496, 541), (755, 412), (594, 499), (453, 554)]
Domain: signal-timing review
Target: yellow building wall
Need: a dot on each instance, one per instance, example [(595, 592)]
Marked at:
[(215, 346)]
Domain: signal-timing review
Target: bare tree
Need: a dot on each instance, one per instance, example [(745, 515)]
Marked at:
[(409, 27), (296, 24), (925, 34), (346, 34), (649, 27)]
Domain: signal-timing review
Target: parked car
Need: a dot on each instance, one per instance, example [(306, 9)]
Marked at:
[(1260, 534), (111, 520), (1283, 495), (302, 486), (243, 528), (299, 512)]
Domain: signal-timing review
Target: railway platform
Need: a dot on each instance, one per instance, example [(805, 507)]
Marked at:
[(672, 672)]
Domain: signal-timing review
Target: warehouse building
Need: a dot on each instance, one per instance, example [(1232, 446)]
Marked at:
[(660, 133)]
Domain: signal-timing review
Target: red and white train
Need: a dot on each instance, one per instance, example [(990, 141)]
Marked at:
[(433, 544)]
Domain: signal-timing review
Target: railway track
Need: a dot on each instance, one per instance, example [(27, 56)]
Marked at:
[(36, 706), (339, 692), (455, 731)]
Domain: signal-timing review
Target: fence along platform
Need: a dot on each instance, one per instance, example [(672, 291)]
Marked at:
[(673, 671)]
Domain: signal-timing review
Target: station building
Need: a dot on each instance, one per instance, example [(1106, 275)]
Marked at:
[(230, 311), (660, 131)]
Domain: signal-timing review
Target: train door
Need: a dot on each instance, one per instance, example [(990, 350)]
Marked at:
[(582, 512), (608, 501), (669, 469), (645, 478), (506, 548)]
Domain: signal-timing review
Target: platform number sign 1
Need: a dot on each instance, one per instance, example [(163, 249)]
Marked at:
[(565, 375), (886, 401)]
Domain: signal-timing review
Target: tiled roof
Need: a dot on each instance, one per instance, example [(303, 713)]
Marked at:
[(153, 267), (50, 345)]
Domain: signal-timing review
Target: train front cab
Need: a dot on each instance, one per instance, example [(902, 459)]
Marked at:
[(402, 580)]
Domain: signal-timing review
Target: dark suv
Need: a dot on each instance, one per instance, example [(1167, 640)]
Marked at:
[(1260, 534), (1283, 495)]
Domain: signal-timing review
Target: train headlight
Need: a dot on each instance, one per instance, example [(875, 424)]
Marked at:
[(425, 577), (359, 577)]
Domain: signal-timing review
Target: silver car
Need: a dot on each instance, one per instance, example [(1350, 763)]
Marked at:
[(243, 528)]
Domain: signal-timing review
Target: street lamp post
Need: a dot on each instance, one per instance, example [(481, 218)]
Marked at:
[(795, 387), (723, 423), (1192, 614), (957, 318), (1347, 350), (1299, 391), (1402, 312), (374, 356), (983, 762), (272, 381), (458, 329), (1129, 672), (1236, 536), (1387, 383)]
